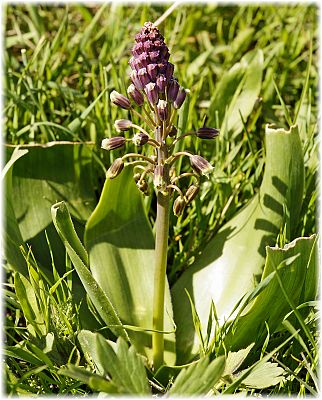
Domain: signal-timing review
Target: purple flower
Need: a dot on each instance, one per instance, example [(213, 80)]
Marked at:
[(207, 133), (120, 100), (113, 143), (201, 165), (135, 94), (151, 92)]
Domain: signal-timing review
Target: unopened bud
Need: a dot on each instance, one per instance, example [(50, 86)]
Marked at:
[(180, 98), (201, 165), (115, 169), (139, 139), (173, 131), (173, 89), (135, 94), (136, 81), (122, 125), (161, 83), (120, 100), (207, 133), (178, 206), (113, 143), (169, 71), (151, 92), (143, 76), (158, 178), (191, 193), (162, 108), (152, 71)]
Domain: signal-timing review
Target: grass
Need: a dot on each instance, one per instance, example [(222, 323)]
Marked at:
[(60, 59)]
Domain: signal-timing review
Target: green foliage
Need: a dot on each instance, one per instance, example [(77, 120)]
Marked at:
[(198, 378), (231, 265)]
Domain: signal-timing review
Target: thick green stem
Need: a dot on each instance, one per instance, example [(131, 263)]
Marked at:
[(161, 250)]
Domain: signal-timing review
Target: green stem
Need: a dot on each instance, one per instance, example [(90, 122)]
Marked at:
[(161, 250)]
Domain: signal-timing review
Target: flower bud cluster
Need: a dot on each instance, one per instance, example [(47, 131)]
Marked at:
[(157, 93)]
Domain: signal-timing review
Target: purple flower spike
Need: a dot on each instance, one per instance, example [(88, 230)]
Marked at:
[(135, 94), (151, 92)]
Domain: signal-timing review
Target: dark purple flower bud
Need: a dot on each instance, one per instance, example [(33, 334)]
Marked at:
[(162, 68), (151, 92), (158, 178), (169, 71), (120, 100), (200, 165), (115, 169), (162, 108), (113, 143), (135, 94), (136, 81), (143, 76), (164, 53), (178, 206), (139, 139), (173, 131), (122, 125), (161, 83), (180, 98), (207, 133), (152, 71), (173, 89), (191, 193)]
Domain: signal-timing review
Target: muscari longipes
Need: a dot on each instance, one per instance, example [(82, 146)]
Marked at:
[(155, 97)]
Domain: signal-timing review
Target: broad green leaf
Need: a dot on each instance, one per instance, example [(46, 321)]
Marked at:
[(235, 359), (120, 244), (123, 364), (199, 378), (87, 340), (237, 92), (79, 258), (245, 373), (12, 235), (45, 175), (270, 305), (233, 260), (264, 375)]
